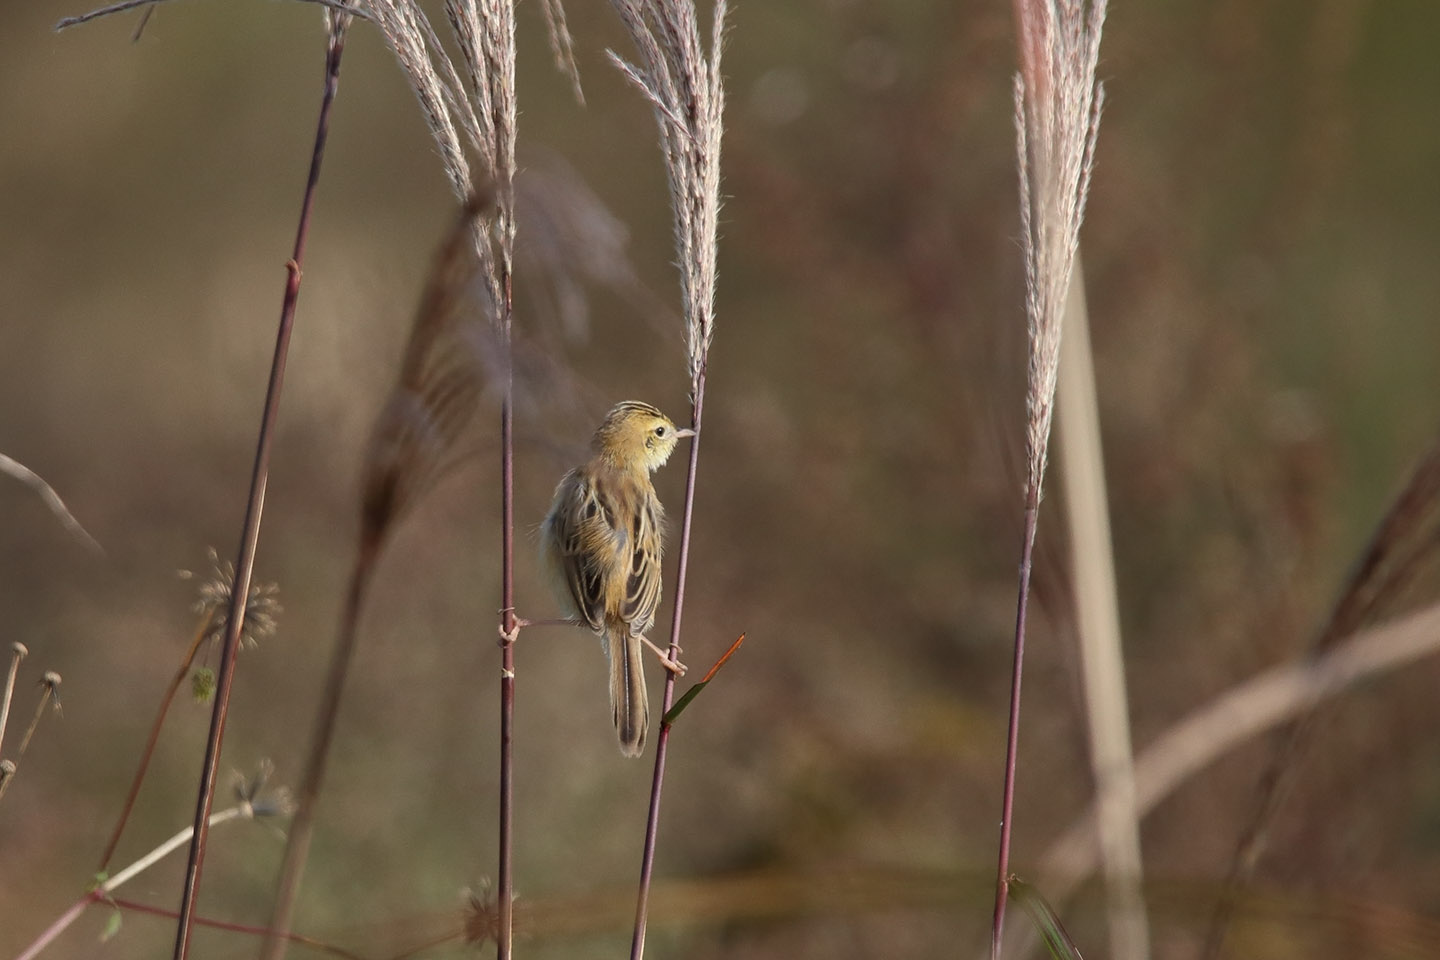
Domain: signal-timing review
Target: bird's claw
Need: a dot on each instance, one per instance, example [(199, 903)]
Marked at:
[(674, 666)]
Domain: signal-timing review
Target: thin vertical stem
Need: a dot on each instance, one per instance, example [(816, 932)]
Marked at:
[(1097, 610), (1012, 743), (17, 653), (652, 820), (507, 644), (145, 756), (51, 684), (244, 564)]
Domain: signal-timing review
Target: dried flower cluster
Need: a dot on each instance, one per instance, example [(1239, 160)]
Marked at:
[(262, 608)]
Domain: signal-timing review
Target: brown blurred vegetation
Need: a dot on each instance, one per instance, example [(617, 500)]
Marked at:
[(1260, 251)]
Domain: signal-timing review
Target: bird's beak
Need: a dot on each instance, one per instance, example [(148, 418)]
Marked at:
[(684, 432)]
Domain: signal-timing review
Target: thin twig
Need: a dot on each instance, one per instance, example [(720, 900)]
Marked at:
[(51, 694), (340, 6), (232, 927), (34, 481), (103, 890), (18, 652), (203, 630), (244, 565)]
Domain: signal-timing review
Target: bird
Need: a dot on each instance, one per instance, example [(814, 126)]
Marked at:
[(601, 546)]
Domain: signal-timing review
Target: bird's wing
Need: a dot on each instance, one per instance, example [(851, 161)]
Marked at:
[(587, 541), (642, 582)]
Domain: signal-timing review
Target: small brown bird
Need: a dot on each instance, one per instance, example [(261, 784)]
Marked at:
[(601, 546)]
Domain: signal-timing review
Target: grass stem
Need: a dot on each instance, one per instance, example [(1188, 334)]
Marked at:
[(1097, 612), (102, 891), (662, 740), (250, 536), (17, 653), (1012, 739), (206, 622), (509, 630)]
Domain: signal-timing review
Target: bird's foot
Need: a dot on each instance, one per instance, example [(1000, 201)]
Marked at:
[(513, 633), (674, 666)]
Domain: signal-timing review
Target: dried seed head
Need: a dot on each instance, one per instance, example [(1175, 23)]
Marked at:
[(250, 792), (261, 607), (20, 650), (482, 915)]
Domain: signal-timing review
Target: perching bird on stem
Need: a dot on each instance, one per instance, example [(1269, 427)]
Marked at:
[(602, 542)]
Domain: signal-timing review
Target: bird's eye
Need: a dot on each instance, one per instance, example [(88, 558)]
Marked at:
[(660, 430)]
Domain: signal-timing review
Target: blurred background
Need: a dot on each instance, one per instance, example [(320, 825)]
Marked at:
[(1260, 254)]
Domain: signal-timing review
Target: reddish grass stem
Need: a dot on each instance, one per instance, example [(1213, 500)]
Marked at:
[(1012, 743), (662, 740), (231, 927), (509, 630), (206, 622), (244, 564)]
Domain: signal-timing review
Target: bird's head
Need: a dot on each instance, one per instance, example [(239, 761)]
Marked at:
[(636, 436)]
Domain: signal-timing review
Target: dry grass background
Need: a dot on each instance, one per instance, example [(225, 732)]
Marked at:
[(1259, 250)]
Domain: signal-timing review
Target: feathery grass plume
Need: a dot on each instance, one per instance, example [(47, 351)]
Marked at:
[(481, 115), (1057, 118), (1403, 542), (683, 84), (418, 437), (454, 366), (562, 47), (685, 88), (486, 112), (420, 433), (572, 241), (454, 359)]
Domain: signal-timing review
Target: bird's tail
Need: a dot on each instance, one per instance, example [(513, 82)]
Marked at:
[(628, 696)]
